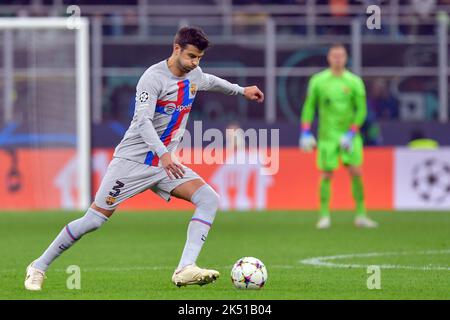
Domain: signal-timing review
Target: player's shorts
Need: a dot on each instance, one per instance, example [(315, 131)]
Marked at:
[(125, 179), (329, 153)]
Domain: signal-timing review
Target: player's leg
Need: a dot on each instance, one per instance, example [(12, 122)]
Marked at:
[(93, 219), (361, 219), (110, 194), (327, 161), (357, 189), (353, 160), (206, 201), (193, 189), (325, 193)]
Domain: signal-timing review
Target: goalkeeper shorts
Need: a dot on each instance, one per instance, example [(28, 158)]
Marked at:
[(329, 153)]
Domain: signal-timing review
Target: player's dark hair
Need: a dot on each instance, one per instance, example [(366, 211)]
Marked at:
[(193, 36), (336, 46)]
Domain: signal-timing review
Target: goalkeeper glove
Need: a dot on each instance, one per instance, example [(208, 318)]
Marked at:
[(307, 141), (347, 139)]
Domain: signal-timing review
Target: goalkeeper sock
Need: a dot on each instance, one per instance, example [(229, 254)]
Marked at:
[(358, 195), (325, 194), (72, 232), (206, 201)]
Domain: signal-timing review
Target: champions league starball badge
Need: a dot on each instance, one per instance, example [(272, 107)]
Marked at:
[(143, 96)]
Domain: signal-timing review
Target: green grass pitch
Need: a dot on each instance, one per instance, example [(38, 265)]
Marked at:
[(133, 255)]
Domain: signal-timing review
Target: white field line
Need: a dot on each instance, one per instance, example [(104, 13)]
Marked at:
[(328, 261), (324, 261)]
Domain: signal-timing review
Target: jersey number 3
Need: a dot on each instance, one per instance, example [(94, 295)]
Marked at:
[(116, 188)]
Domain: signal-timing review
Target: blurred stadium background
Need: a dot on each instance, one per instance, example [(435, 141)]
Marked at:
[(67, 90), (276, 45)]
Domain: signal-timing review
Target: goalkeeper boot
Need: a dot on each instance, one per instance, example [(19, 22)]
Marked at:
[(34, 278), (323, 223), (192, 274), (364, 222)]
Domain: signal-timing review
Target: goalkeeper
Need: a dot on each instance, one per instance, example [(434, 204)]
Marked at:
[(341, 99)]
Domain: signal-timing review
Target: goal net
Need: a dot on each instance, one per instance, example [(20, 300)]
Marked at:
[(44, 114)]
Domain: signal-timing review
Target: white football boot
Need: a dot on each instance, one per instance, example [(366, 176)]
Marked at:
[(323, 223), (364, 222), (34, 278), (192, 274)]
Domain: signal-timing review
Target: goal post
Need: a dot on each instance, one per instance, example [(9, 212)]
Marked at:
[(80, 98)]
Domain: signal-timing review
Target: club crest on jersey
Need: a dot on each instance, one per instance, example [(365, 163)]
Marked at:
[(143, 96), (346, 90), (193, 89), (110, 200)]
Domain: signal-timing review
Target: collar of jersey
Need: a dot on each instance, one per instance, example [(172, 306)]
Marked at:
[(171, 74)]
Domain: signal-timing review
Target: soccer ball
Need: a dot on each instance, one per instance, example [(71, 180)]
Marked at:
[(249, 273)]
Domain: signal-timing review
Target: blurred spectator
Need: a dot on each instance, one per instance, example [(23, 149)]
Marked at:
[(382, 101), (419, 22), (124, 23), (336, 9), (424, 8), (339, 8), (251, 23)]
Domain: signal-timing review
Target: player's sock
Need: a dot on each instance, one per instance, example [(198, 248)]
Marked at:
[(358, 195), (206, 201), (325, 194), (72, 232)]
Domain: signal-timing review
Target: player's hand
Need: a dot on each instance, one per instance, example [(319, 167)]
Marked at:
[(172, 168), (347, 139), (307, 141), (253, 93)]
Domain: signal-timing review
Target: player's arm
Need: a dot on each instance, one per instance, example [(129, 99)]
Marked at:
[(307, 140), (360, 104), (211, 82), (146, 97)]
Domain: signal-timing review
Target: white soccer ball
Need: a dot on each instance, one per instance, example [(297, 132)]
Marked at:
[(249, 273)]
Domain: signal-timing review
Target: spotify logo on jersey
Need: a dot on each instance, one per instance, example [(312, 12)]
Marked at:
[(170, 108)]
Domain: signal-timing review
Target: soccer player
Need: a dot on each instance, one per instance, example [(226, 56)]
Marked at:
[(341, 99), (144, 158)]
